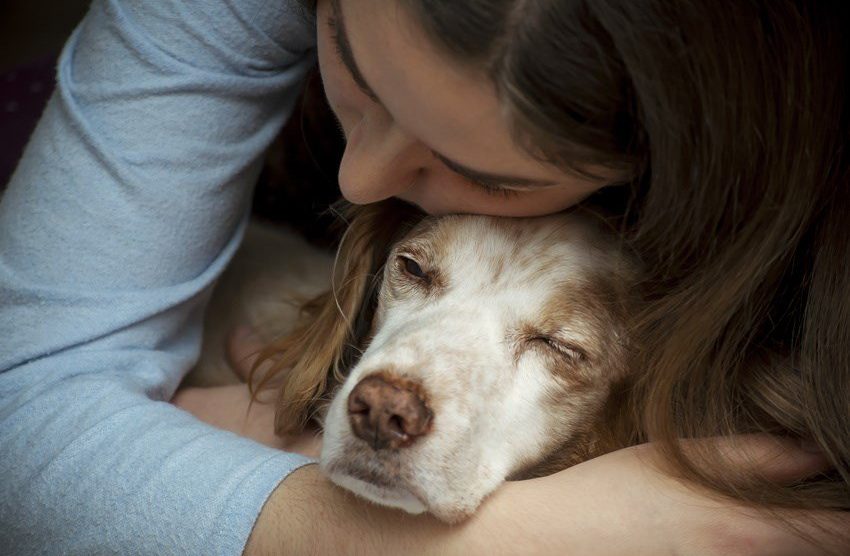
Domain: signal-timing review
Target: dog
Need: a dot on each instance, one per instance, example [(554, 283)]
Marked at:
[(453, 353)]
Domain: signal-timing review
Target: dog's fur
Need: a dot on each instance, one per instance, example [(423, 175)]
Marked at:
[(513, 333)]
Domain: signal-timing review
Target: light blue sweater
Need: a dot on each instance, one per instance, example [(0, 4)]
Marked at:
[(128, 203)]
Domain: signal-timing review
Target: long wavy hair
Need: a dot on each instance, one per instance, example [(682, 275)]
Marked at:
[(731, 119)]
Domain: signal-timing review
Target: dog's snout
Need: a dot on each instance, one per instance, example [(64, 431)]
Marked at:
[(388, 413)]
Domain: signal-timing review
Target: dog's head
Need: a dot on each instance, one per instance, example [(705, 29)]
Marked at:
[(494, 345)]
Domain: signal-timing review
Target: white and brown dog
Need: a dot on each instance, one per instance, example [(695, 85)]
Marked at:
[(457, 353)]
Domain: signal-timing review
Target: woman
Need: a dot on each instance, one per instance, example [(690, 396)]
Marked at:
[(727, 123)]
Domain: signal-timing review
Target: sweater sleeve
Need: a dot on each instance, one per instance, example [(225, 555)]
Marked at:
[(128, 203)]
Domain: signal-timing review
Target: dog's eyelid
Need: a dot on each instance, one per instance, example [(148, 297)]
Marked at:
[(564, 347)]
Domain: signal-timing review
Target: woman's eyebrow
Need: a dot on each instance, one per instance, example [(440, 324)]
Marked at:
[(340, 38), (490, 179)]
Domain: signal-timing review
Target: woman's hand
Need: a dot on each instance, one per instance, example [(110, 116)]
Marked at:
[(230, 407), (626, 503)]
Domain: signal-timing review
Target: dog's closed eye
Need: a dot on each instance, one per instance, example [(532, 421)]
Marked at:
[(566, 350)]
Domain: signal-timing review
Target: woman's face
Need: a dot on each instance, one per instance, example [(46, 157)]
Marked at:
[(422, 128)]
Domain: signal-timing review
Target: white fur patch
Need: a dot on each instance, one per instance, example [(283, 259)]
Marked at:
[(400, 499)]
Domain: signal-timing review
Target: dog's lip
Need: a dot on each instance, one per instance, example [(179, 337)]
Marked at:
[(377, 479), (370, 476)]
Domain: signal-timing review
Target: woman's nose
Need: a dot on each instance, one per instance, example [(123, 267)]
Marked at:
[(380, 160)]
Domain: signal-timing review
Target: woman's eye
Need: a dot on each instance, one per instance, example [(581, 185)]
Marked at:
[(494, 190), (412, 268), (487, 187)]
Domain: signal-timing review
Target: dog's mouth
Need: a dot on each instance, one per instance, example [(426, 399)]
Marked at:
[(387, 482), (432, 470), (376, 486)]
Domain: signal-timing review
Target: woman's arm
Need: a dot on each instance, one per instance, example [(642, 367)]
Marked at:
[(518, 519), (620, 503), (127, 205)]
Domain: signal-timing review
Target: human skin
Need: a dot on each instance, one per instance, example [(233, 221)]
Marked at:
[(418, 103), (599, 507)]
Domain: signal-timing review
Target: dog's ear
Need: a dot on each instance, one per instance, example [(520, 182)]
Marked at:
[(335, 326)]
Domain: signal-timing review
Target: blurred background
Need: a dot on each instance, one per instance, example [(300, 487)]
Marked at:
[(32, 33), (33, 29)]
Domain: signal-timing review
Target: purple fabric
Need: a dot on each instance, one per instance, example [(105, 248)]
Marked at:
[(24, 92)]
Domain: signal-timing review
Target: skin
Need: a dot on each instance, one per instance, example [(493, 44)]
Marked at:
[(408, 110)]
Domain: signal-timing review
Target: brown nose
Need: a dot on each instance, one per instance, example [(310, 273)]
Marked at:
[(387, 412)]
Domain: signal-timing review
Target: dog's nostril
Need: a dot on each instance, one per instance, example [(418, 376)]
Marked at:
[(387, 413), (395, 425), (357, 405)]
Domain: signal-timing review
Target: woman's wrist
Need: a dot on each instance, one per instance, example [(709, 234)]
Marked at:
[(592, 508)]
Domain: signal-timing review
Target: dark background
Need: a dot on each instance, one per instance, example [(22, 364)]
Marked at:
[(33, 29), (32, 33)]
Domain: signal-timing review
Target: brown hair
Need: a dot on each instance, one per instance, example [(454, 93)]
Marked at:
[(731, 120)]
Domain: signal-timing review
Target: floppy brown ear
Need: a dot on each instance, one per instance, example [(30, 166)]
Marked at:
[(335, 327)]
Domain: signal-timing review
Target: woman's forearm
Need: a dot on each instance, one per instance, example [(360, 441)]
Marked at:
[(309, 515), (620, 503)]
